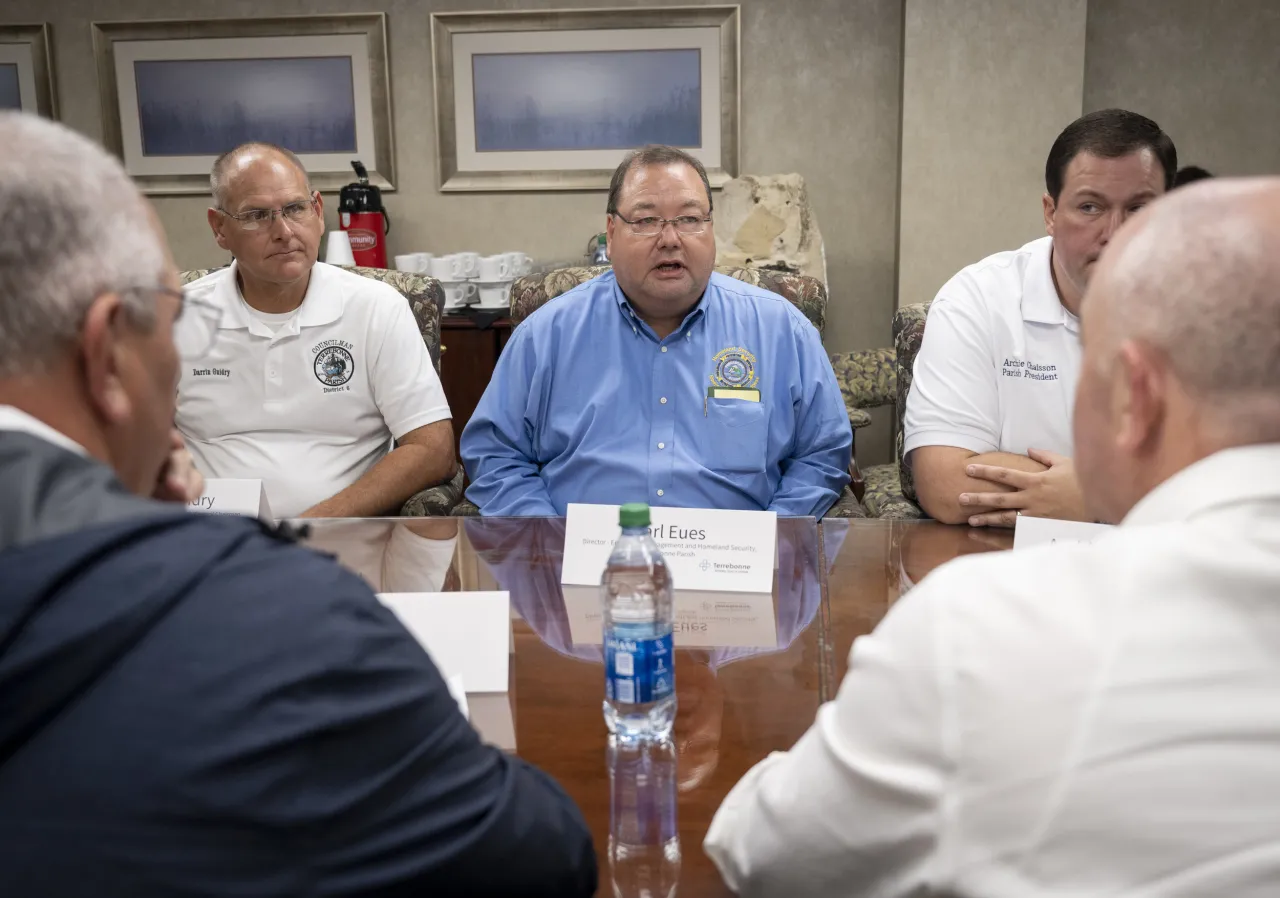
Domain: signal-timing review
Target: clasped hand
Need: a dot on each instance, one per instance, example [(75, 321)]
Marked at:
[(1052, 493)]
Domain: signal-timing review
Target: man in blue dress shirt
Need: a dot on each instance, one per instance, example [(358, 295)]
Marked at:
[(661, 381)]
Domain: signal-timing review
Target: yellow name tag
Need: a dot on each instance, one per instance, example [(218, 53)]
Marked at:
[(743, 393)]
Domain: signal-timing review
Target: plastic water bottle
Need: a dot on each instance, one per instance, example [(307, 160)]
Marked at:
[(644, 843), (639, 668)]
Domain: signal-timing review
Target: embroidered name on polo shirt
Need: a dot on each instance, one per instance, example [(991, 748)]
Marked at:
[(334, 365), (210, 372), (1029, 370)]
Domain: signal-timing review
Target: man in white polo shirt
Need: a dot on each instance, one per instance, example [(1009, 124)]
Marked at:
[(315, 369), (987, 430)]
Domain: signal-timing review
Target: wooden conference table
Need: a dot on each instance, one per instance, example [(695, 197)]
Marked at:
[(750, 670)]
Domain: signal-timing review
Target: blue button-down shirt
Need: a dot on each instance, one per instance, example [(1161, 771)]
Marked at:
[(588, 405)]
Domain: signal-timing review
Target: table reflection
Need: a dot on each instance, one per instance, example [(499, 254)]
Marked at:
[(713, 629), (392, 554)]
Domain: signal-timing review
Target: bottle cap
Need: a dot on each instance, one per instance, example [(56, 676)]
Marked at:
[(634, 514)]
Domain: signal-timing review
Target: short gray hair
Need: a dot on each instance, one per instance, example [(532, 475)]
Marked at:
[(1201, 282), (75, 227), (219, 175)]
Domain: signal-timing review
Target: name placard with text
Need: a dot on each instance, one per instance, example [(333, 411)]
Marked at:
[(227, 496), (705, 549)]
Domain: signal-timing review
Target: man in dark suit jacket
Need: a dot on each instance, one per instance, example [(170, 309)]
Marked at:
[(193, 704)]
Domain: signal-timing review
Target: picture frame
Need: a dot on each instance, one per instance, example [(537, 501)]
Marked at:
[(176, 94), (553, 99), (26, 69)]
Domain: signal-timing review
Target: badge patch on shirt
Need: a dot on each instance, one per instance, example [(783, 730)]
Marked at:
[(334, 365), (735, 369)]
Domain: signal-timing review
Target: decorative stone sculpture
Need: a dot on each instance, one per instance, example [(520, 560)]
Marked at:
[(765, 221)]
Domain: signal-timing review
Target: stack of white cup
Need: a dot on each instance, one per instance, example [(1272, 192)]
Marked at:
[(469, 279)]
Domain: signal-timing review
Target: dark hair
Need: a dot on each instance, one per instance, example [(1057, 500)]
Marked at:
[(653, 154), (1190, 173), (1109, 133)]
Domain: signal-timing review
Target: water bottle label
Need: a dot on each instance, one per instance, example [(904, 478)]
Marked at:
[(638, 671)]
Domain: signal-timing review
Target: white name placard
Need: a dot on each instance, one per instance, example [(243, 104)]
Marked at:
[(705, 549), (467, 634), (226, 496), (1029, 531), (703, 620)]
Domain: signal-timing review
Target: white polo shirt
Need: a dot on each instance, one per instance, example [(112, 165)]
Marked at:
[(998, 366), (309, 408)]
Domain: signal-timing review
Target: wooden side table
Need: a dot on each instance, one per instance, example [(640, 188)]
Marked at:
[(467, 359)]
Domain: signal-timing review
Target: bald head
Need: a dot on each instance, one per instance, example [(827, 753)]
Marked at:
[(1181, 328), (228, 167), (1197, 277)]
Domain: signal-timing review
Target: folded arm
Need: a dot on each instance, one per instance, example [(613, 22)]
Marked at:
[(422, 458), (940, 478)]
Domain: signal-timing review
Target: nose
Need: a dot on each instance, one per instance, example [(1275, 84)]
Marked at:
[(668, 236), (278, 217), (1111, 223)]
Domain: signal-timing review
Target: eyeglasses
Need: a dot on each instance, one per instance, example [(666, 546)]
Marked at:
[(253, 219), (195, 327), (651, 226)]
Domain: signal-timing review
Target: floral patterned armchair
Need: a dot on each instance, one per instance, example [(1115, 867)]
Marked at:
[(426, 300), (871, 378), (808, 294)]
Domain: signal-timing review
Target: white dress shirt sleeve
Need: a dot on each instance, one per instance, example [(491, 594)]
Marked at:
[(954, 398), (406, 387), (855, 807)]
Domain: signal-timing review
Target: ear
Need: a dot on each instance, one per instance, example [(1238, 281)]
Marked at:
[(100, 355), (608, 234), (319, 208), (1141, 393), (216, 221), (1050, 207)]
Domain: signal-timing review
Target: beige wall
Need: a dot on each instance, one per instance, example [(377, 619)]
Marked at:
[(1207, 70), (974, 91), (987, 86)]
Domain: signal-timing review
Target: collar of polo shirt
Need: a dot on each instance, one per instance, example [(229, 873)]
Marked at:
[(319, 306), (1040, 301)]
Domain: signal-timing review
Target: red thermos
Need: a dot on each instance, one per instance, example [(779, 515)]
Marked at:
[(361, 215)]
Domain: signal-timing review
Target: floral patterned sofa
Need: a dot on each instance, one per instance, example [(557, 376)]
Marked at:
[(426, 300), (808, 294)]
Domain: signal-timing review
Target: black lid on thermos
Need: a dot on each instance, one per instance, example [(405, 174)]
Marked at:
[(360, 196)]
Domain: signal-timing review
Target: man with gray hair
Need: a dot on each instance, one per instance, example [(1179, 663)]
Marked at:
[(191, 703), (1095, 719), (315, 370)]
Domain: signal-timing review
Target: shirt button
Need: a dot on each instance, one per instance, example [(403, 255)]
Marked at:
[(659, 492), (662, 445), (663, 400), (664, 349)]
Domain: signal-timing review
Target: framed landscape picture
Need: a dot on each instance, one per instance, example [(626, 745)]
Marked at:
[(175, 95), (552, 100), (26, 70)]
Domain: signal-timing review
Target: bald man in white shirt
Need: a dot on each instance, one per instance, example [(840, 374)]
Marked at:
[(1097, 719)]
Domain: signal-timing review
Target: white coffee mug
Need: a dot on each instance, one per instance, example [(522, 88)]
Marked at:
[(494, 268), (458, 293), (446, 268), (495, 296), (337, 250), (519, 263), (469, 264), (407, 262)]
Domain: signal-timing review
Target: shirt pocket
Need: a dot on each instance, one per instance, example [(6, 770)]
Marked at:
[(738, 436)]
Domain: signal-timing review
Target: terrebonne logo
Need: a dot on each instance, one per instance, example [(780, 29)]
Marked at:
[(362, 239)]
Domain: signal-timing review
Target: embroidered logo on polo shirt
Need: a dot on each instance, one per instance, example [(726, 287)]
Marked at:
[(334, 365)]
